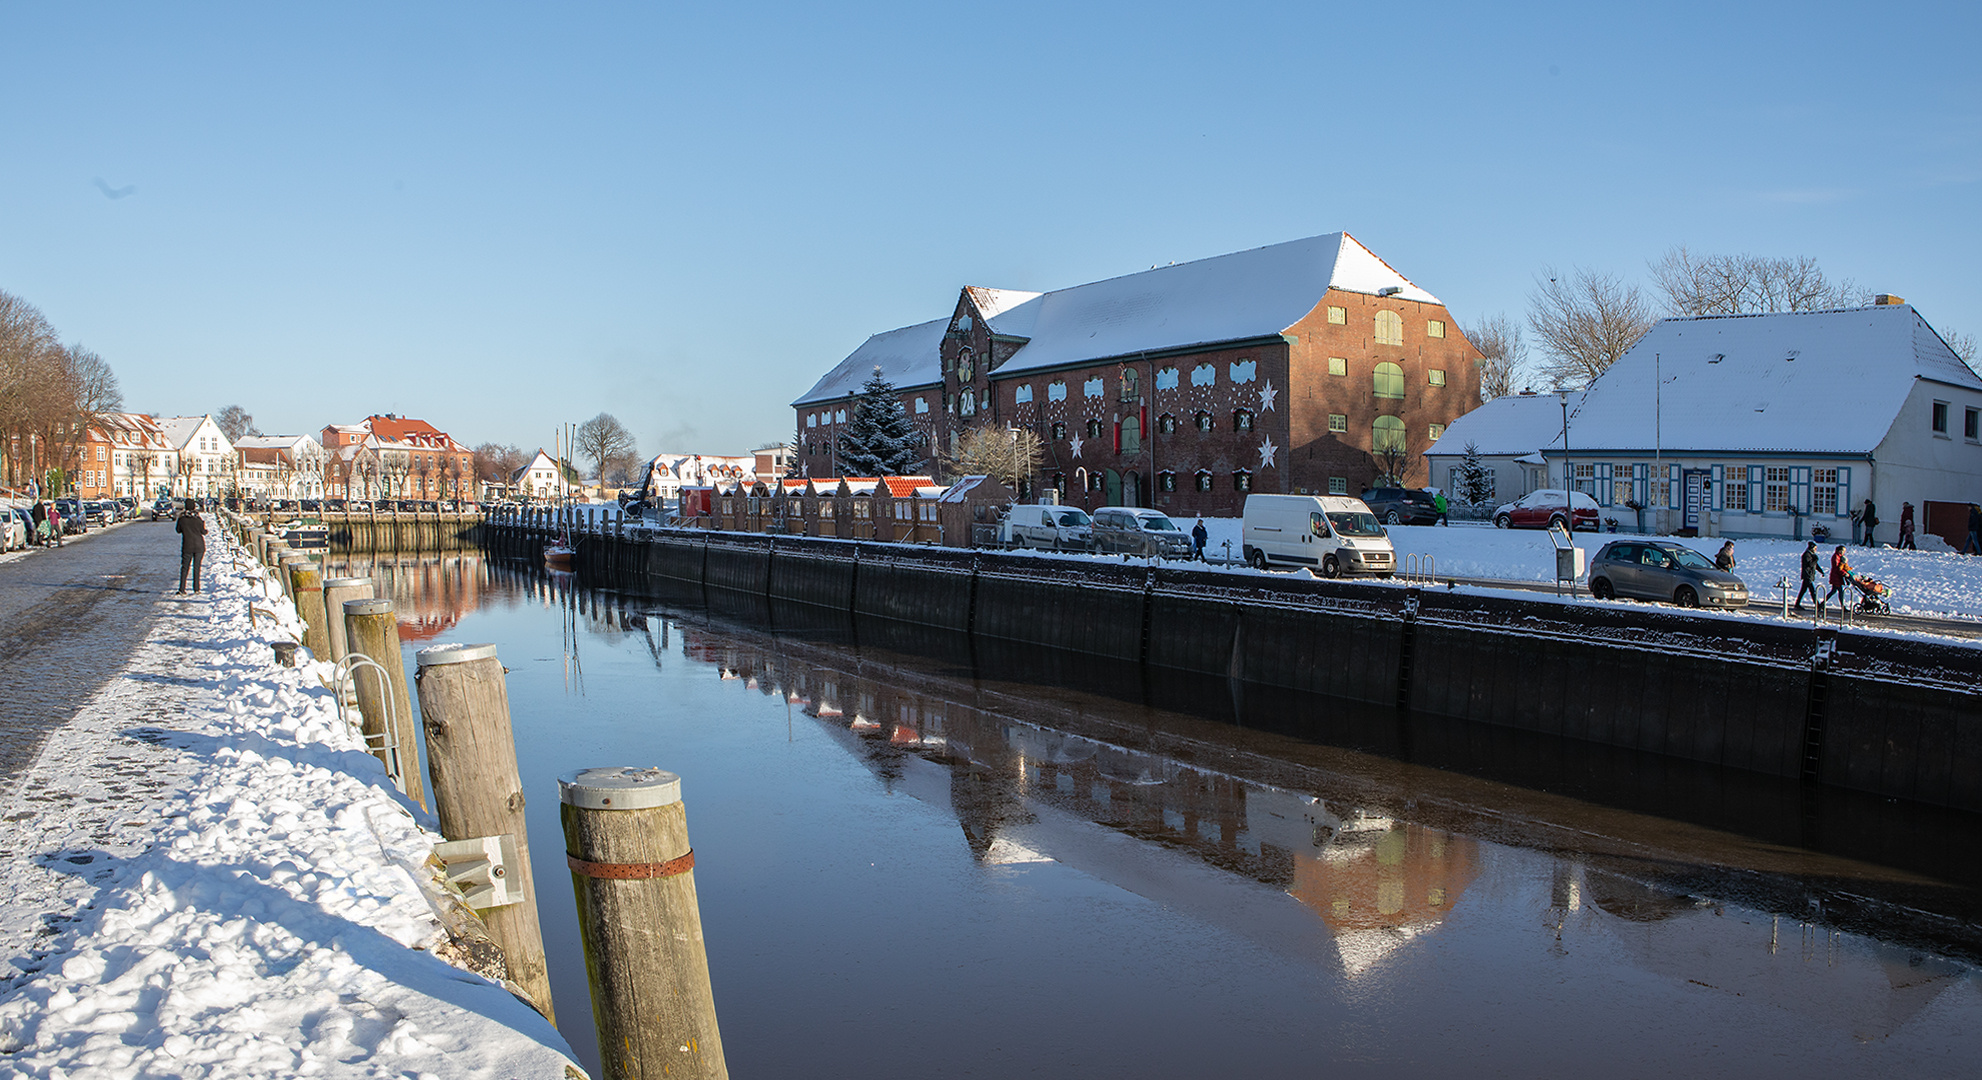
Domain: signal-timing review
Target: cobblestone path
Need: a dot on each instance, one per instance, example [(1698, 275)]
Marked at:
[(69, 620)]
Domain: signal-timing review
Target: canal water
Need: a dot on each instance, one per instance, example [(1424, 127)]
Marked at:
[(919, 860)]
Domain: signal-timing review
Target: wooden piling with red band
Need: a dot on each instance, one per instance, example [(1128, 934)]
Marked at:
[(471, 759), (632, 872)]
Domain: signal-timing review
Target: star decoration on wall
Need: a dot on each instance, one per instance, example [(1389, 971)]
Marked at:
[(1266, 395), (1076, 446), (1266, 452)]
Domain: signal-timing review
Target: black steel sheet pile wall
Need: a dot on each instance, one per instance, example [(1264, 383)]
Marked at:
[(1888, 716)]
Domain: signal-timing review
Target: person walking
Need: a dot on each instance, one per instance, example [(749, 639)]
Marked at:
[(1724, 559), (1438, 500), (1906, 528), (55, 524), (39, 515), (1840, 573), (1198, 536), (1813, 564), (1871, 519), (1974, 545), (192, 544)]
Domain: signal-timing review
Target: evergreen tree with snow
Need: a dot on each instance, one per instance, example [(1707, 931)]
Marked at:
[(1475, 486), (879, 439)]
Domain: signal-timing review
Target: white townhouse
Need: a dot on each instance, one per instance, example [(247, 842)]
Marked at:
[(281, 466), (538, 479), (206, 459), (1765, 425), (1507, 433)]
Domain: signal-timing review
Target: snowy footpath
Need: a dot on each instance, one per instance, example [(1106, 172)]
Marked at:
[(206, 875)]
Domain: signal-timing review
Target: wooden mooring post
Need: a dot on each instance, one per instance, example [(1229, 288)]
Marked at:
[(632, 872), (478, 792), (306, 585), (372, 628), (335, 592)]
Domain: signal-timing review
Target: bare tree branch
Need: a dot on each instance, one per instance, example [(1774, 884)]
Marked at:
[(1008, 455), (603, 438), (234, 422), (1504, 356), (1584, 323), (1745, 284)]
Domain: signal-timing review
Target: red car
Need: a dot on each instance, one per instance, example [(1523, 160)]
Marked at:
[(1546, 509)]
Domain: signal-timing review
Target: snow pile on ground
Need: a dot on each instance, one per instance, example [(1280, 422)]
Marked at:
[(262, 916)]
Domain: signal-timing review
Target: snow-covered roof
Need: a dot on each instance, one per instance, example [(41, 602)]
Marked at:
[(181, 430), (1247, 294), (1800, 382), (1512, 425), (270, 442), (908, 356), (992, 303)]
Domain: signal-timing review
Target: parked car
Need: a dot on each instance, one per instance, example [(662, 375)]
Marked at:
[(163, 508), (1663, 570), (97, 513), (1333, 534), (15, 528), (1402, 506), (1136, 531), (1047, 525), (1546, 509), (74, 520)]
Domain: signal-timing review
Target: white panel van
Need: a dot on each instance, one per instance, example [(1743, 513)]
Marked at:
[(1329, 534), (1046, 525)]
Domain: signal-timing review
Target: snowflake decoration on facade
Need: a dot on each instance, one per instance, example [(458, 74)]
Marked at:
[(1266, 395), (1266, 452), (1076, 446)]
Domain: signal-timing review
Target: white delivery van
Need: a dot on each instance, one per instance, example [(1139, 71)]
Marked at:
[(1329, 534), (1056, 528)]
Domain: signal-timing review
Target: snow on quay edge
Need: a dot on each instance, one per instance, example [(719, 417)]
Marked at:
[(206, 875)]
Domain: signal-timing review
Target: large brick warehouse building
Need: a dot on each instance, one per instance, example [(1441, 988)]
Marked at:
[(1308, 366)]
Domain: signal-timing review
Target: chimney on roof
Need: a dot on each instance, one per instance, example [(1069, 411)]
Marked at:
[(1888, 299)]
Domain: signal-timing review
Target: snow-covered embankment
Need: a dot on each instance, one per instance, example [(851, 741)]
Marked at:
[(207, 875)]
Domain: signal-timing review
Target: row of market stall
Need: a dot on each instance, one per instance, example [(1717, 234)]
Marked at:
[(900, 509)]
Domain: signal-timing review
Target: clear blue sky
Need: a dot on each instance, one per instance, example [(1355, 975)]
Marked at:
[(502, 218)]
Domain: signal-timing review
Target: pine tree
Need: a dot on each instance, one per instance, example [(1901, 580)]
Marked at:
[(1475, 486), (879, 439)]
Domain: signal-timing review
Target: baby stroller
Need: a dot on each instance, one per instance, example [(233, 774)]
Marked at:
[(1877, 598)]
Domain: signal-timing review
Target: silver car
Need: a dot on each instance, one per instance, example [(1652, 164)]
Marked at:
[(1139, 532), (1663, 570)]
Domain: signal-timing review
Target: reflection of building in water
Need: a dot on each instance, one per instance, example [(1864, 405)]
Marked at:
[(1371, 884), (429, 593), (1378, 883)]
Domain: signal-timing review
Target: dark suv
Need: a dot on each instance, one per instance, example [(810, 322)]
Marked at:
[(1402, 506)]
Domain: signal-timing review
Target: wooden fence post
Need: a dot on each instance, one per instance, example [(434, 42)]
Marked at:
[(471, 757), (371, 628), (632, 872), (335, 592)]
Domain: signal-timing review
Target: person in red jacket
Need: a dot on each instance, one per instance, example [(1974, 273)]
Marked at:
[(1840, 573), (1906, 527)]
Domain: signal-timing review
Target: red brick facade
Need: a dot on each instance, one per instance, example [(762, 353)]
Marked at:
[(1193, 430)]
